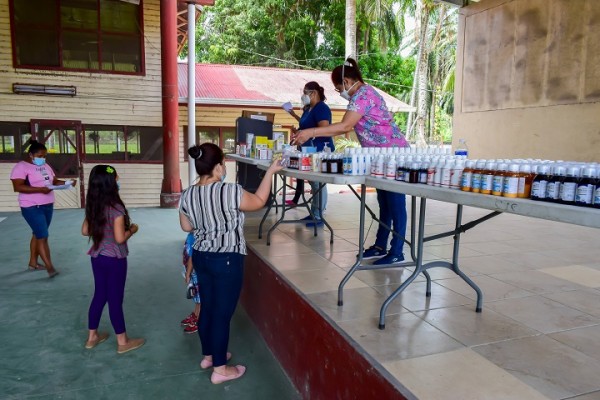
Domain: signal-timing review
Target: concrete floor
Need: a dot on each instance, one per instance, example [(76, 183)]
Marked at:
[(537, 337), (43, 323)]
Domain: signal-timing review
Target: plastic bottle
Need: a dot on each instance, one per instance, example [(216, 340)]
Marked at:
[(568, 188), (553, 188), (437, 177), (379, 166), (423, 172), (446, 174), (361, 165), (498, 180), (346, 162), (457, 172), (325, 164), (477, 172), (511, 182), (525, 181), (467, 176), (487, 177), (539, 186), (354, 165), (596, 202), (327, 149), (390, 169), (462, 150), (586, 187)]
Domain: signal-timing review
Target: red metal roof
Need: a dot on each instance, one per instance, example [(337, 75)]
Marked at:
[(219, 84)]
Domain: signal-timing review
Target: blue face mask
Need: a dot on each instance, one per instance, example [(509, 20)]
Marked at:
[(118, 186), (223, 177), (39, 161)]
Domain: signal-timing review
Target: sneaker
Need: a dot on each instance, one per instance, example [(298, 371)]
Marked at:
[(389, 259), (373, 252), (191, 328), (319, 223), (189, 320)]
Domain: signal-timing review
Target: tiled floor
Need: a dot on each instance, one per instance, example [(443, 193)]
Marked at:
[(537, 337)]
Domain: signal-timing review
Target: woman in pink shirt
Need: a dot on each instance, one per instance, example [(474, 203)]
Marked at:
[(31, 178), (374, 125)]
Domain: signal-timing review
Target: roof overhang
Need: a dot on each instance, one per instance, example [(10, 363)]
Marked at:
[(182, 18)]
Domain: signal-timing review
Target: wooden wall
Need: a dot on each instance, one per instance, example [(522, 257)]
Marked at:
[(101, 98), (527, 79)]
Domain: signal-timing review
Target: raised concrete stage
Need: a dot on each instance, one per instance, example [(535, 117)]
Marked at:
[(322, 361)]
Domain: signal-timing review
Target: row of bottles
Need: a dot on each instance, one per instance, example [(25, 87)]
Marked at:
[(554, 181)]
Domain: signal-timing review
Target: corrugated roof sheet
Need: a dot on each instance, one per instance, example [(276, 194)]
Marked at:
[(220, 84)]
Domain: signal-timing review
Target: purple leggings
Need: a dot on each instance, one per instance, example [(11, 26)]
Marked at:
[(109, 286)]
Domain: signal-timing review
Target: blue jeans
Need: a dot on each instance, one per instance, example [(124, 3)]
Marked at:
[(39, 218), (392, 212), (220, 277), (314, 204)]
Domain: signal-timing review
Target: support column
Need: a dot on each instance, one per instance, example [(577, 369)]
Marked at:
[(171, 184)]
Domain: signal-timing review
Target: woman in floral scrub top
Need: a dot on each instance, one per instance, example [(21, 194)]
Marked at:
[(369, 117)]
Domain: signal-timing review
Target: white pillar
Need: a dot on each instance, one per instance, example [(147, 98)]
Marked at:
[(191, 87)]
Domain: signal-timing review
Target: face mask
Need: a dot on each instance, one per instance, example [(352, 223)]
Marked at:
[(39, 161), (118, 186), (305, 99), (344, 93), (223, 177)]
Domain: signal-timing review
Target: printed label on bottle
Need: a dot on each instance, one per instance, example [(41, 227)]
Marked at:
[(476, 185), (486, 184), (585, 194), (597, 196), (553, 190), (466, 179), (511, 186), (497, 185), (567, 191), (539, 189)]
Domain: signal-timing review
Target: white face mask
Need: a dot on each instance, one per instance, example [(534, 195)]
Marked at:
[(344, 93), (305, 100)]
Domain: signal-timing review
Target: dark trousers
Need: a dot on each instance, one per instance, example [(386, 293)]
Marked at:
[(220, 278), (392, 212), (109, 287), (299, 190)]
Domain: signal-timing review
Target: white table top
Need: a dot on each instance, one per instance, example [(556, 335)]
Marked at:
[(584, 216)]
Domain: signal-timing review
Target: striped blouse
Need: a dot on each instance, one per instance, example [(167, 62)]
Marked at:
[(214, 212)]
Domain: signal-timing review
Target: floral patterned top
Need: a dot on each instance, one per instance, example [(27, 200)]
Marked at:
[(376, 128)]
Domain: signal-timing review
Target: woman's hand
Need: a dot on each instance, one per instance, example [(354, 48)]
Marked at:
[(301, 136), (275, 166), (133, 228)]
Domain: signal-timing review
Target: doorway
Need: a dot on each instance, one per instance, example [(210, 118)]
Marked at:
[(64, 142)]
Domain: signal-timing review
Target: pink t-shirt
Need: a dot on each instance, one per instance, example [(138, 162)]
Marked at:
[(376, 128), (37, 177)]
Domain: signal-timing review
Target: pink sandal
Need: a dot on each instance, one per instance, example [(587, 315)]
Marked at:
[(205, 364), (217, 378)]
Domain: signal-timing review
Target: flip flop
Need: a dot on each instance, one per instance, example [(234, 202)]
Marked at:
[(37, 267), (52, 274), (217, 378)]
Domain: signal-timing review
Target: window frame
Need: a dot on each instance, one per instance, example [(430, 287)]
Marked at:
[(221, 130), (60, 30), (125, 129)]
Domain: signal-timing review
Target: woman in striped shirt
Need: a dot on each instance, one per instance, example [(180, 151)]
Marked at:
[(214, 212)]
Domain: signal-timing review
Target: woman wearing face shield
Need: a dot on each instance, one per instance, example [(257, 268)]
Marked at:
[(31, 178), (368, 115), (315, 114)]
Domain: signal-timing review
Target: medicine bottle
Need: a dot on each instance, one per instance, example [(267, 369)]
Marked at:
[(553, 188), (423, 172), (568, 188), (525, 180), (539, 186), (457, 172), (447, 174), (467, 176), (390, 168), (498, 180), (487, 177), (477, 173), (511, 182), (414, 172), (586, 188)]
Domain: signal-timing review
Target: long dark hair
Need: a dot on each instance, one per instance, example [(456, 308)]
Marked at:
[(349, 69), (206, 156), (102, 193)]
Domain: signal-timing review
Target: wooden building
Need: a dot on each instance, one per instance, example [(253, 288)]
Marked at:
[(98, 82)]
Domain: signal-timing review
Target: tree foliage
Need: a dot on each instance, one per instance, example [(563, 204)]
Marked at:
[(310, 34)]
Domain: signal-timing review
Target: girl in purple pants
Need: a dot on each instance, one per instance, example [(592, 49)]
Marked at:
[(108, 226)]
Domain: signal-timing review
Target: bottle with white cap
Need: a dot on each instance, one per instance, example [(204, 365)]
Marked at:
[(511, 181), (539, 187), (553, 188), (457, 171), (390, 168), (568, 189), (525, 180), (447, 174)]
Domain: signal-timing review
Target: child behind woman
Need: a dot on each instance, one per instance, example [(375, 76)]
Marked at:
[(108, 226), (190, 322)]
